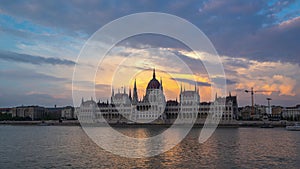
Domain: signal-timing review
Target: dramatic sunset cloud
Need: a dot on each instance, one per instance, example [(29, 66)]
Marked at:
[(258, 43)]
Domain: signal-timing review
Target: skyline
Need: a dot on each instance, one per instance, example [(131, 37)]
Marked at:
[(40, 42)]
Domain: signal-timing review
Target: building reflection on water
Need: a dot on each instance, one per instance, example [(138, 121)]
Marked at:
[(69, 147)]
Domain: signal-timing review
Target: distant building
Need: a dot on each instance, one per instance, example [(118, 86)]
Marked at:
[(68, 113), (172, 109), (41, 113), (28, 112), (276, 113), (223, 109), (232, 100), (245, 113), (204, 109), (5, 114), (5, 110), (153, 108), (260, 110), (291, 113), (53, 113), (189, 103), (88, 111), (76, 112)]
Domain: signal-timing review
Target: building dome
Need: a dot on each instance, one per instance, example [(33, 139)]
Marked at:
[(154, 83)]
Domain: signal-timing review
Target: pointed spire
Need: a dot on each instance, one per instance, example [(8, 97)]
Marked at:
[(130, 94), (229, 93), (111, 100), (154, 74), (181, 88), (161, 84), (135, 98), (216, 95), (195, 87), (124, 90), (82, 100), (112, 91)]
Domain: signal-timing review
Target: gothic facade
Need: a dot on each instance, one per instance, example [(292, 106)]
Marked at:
[(153, 108)]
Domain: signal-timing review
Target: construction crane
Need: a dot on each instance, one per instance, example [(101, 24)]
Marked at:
[(252, 96)]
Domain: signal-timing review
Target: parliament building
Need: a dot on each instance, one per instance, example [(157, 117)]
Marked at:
[(153, 108)]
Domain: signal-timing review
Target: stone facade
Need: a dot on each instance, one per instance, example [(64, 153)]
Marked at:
[(153, 108)]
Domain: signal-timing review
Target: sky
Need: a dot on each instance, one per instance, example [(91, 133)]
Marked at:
[(257, 41)]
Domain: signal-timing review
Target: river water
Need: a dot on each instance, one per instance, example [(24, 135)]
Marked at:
[(70, 147)]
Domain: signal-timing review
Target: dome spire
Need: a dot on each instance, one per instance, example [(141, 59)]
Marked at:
[(161, 85), (135, 95), (181, 88), (130, 94), (154, 73)]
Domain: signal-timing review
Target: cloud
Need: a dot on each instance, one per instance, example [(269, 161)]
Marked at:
[(220, 80), (18, 75), (40, 99), (192, 82), (256, 40), (280, 77), (236, 28), (150, 40), (234, 63), (279, 42), (37, 60), (251, 29), (286, 85)]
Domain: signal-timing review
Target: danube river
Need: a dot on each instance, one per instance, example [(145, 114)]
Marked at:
[(70, 147)]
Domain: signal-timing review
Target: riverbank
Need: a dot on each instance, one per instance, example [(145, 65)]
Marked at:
[(43, 123), (234, 124)]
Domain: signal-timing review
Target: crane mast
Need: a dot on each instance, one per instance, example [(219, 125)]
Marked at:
[(252, 100), (252, 91)]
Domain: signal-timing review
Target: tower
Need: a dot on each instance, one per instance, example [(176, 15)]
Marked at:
[(135, 95), (161, 85), (112, 95), (130, 94)]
